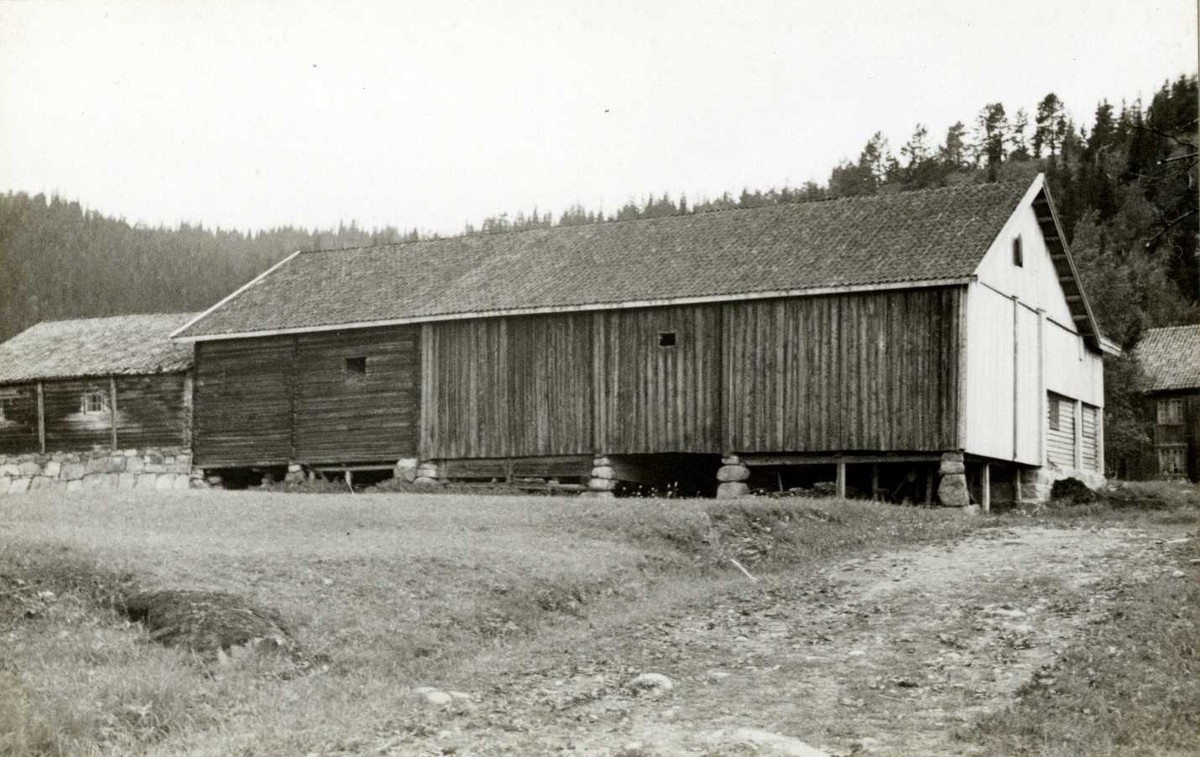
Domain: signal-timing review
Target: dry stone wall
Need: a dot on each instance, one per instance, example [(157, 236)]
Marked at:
[(148, 468)]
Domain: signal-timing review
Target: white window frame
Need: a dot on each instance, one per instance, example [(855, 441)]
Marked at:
[(94, 402), (1170, 412)]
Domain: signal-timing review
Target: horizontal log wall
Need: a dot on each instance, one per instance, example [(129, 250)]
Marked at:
[(68, 426), (19, 423), (342, 416), (872, 371), (242, 410), (152, 411), (272, 400)]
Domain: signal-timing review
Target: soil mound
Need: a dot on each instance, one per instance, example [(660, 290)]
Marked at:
[(208, 622)]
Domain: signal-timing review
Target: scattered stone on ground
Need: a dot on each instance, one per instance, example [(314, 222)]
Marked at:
[(651, 683)]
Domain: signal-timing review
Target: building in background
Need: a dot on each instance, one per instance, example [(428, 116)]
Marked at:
[(1170, 358), (97, 402)]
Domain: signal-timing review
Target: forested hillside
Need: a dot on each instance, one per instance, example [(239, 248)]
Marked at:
[(1125, 188)]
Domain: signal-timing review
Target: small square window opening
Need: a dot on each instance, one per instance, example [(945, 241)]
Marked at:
[(94, 402), (356, 366), (666, 339), (1018, 253)]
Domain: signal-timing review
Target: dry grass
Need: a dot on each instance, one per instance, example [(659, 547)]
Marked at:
[(1131, 686), (395, 591)]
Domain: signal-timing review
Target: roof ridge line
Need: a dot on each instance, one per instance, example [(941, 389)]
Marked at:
[(817, 201)]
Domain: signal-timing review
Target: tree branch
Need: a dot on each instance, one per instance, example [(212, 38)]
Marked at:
[(1170, 225)]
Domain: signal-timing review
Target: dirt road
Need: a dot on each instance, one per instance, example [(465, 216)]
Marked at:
[(885, 654)]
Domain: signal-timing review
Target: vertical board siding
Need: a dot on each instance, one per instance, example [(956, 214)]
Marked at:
[(661, 399), (1089, 441), (1060, 444), (871, 371), (19, 419), (242, 410), (151, 411), (341, 416), (466, 391), (68, 427), (550, 385)]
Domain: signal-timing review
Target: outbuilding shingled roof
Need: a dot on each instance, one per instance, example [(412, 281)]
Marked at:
[(1171, 357), (909, 237), (121, 345)]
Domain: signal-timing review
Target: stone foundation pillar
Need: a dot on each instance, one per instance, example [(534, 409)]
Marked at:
[(952, 488), (603, 480), (1036, 484), (294, 475), (199, 481), (427, 474), (733, 476), (406, 469)]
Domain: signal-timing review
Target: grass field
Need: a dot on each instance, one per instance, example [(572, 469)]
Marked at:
[(394, 591), (384, 593)]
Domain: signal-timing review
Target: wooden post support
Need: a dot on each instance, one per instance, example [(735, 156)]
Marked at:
[(41, 417), (874, 481), (986, 487), (112, 409), (1016, 485), (928, 487), (841, 480)]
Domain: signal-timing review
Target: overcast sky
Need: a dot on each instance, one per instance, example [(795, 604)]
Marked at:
[(430, 114)]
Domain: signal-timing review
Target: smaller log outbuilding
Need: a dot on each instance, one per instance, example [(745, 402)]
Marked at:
[(96, 402), (1171, 359)]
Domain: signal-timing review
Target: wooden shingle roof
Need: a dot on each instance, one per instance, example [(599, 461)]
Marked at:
[(120, 345), (904, 239), (1171, 357)]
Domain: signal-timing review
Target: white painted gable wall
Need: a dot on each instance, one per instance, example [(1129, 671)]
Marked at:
[(1004, 422)]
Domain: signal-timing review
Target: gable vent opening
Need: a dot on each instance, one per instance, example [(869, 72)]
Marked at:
[(356, 366), (666, 339)]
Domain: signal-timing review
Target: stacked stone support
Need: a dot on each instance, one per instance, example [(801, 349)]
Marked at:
[(145, 469), (294, 475), (952, 487), (603, 482), (733, 476)]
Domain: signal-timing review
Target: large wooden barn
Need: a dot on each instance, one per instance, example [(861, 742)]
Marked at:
[(913, 343), (1171, 359), (97, 402)]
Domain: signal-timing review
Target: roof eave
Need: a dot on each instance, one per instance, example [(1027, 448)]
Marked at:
[(1081, 309), (590, 307)]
